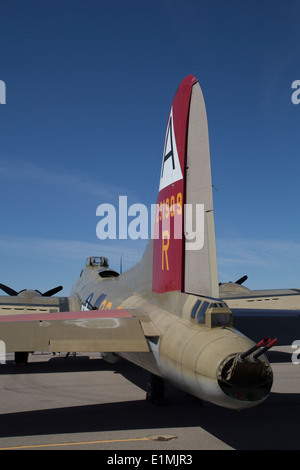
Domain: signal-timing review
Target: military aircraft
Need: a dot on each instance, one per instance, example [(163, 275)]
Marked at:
[(165, 314)]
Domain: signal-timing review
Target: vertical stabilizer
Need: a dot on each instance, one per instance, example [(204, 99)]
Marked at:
[(181, 262)]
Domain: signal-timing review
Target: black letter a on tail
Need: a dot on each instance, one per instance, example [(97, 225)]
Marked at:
[(169, 140)]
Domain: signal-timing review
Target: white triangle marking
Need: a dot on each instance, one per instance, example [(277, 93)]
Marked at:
[(170, 168)]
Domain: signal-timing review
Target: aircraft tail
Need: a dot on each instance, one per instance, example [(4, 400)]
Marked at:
[(184, 249)]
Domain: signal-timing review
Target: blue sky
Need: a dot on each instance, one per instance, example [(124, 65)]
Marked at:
[(88, 91)]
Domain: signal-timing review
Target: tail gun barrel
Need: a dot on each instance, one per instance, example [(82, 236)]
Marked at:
[(261, 351), (262, 343)]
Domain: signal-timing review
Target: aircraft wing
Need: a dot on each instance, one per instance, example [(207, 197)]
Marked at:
[(32, 301), (259, 313), (17, 305), (85, 331)]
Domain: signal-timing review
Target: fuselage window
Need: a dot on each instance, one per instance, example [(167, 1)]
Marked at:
[(201, 313), (220, 319), (195, 308)]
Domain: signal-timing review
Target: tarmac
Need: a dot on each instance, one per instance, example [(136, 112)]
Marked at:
[(84, 403)]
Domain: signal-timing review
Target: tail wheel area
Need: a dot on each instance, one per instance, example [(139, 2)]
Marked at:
[(155, 390)]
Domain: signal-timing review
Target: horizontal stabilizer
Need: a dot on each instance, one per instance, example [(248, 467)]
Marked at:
[(85, 331)]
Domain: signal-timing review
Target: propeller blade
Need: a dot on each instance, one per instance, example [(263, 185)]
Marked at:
[(241, 280), (8, 290), (53, 291)]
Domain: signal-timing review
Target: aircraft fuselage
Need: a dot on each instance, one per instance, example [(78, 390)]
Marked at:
[(190, 338)]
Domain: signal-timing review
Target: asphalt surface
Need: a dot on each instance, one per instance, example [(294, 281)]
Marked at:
[(85, 403)]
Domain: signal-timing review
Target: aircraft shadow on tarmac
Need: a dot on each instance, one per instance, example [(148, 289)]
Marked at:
[(272, 425)]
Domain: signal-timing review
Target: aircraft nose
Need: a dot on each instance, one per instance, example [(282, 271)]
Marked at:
[(245, 380)]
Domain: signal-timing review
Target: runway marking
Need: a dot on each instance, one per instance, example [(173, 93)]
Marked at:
[(75, 443)]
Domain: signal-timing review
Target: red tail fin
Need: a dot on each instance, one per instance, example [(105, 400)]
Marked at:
[(185, 178)]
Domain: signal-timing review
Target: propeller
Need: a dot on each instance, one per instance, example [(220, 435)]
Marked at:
[(241, 280), (8, 290), (48, 293), (53, 291)]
